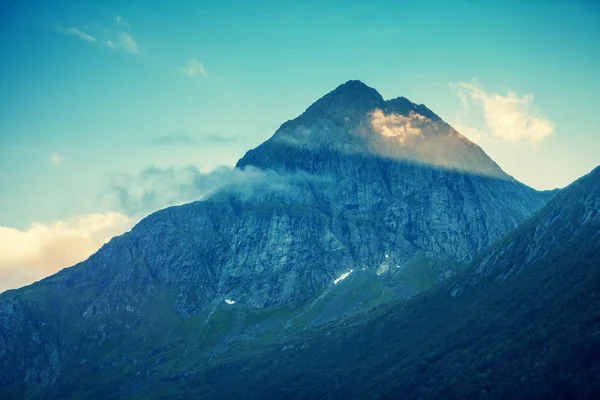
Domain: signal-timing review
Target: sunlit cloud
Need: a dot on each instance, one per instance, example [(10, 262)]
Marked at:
[(396, 125), (194, 68), (76, 32), (56, 158), (473, 134), (508, 117), (41, 250)]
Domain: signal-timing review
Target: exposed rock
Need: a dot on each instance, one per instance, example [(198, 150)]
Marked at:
[(353, 183)]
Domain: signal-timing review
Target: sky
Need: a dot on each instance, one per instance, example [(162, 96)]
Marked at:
[(110, 110)]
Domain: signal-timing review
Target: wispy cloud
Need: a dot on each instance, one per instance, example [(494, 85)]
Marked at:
[(194, 68), (217, 139), (173, 138), (508, 117), (395, 125), (76, 32), (56, 158), (128, 43), (155, 188), (122, 39), (184, 138), (40, 250)]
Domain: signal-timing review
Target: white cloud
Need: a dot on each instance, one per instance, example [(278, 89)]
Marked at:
[(73, 31), (194, 68), (473, 134), (128, 43), (122, 40), (41, 250), (510, 117), (396, 125), (56, 158), (155, 188)]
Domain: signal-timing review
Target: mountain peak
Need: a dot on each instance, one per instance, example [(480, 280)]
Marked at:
[(355, 89), (348, 98), (355, 119), (354, 84)]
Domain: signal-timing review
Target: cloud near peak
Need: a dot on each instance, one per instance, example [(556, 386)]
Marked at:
[(508, 117), (396, 125)]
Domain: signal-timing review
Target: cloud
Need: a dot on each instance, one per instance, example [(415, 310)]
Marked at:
[(396, 125), (473, 134), (194, 68), (56, 158), (41, 250), (115, 40), (76, 32), (217, 139), (174, 138), (128, 43), (510, 117), (184, 138), (155, 188)]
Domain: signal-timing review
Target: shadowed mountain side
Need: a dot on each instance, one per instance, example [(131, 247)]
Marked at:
[(522, 322)]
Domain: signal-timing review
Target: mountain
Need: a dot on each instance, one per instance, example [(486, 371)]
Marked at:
[(354, 119), (522, 322), (382, 193)]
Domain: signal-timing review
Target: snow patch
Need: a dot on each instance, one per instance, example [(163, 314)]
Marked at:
[(229, 301), (387, 256), (342, 277), (383, 268)]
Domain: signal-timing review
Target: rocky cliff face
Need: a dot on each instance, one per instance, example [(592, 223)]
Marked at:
[(521, 322), (355, 183)]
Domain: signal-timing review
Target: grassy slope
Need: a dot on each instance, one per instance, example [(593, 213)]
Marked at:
[(149, 360), (537, 336)]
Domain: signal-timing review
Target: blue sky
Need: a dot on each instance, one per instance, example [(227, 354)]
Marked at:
[(96, 92)]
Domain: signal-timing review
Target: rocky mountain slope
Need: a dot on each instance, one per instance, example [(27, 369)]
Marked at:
[(383, 190), (522, 322)]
